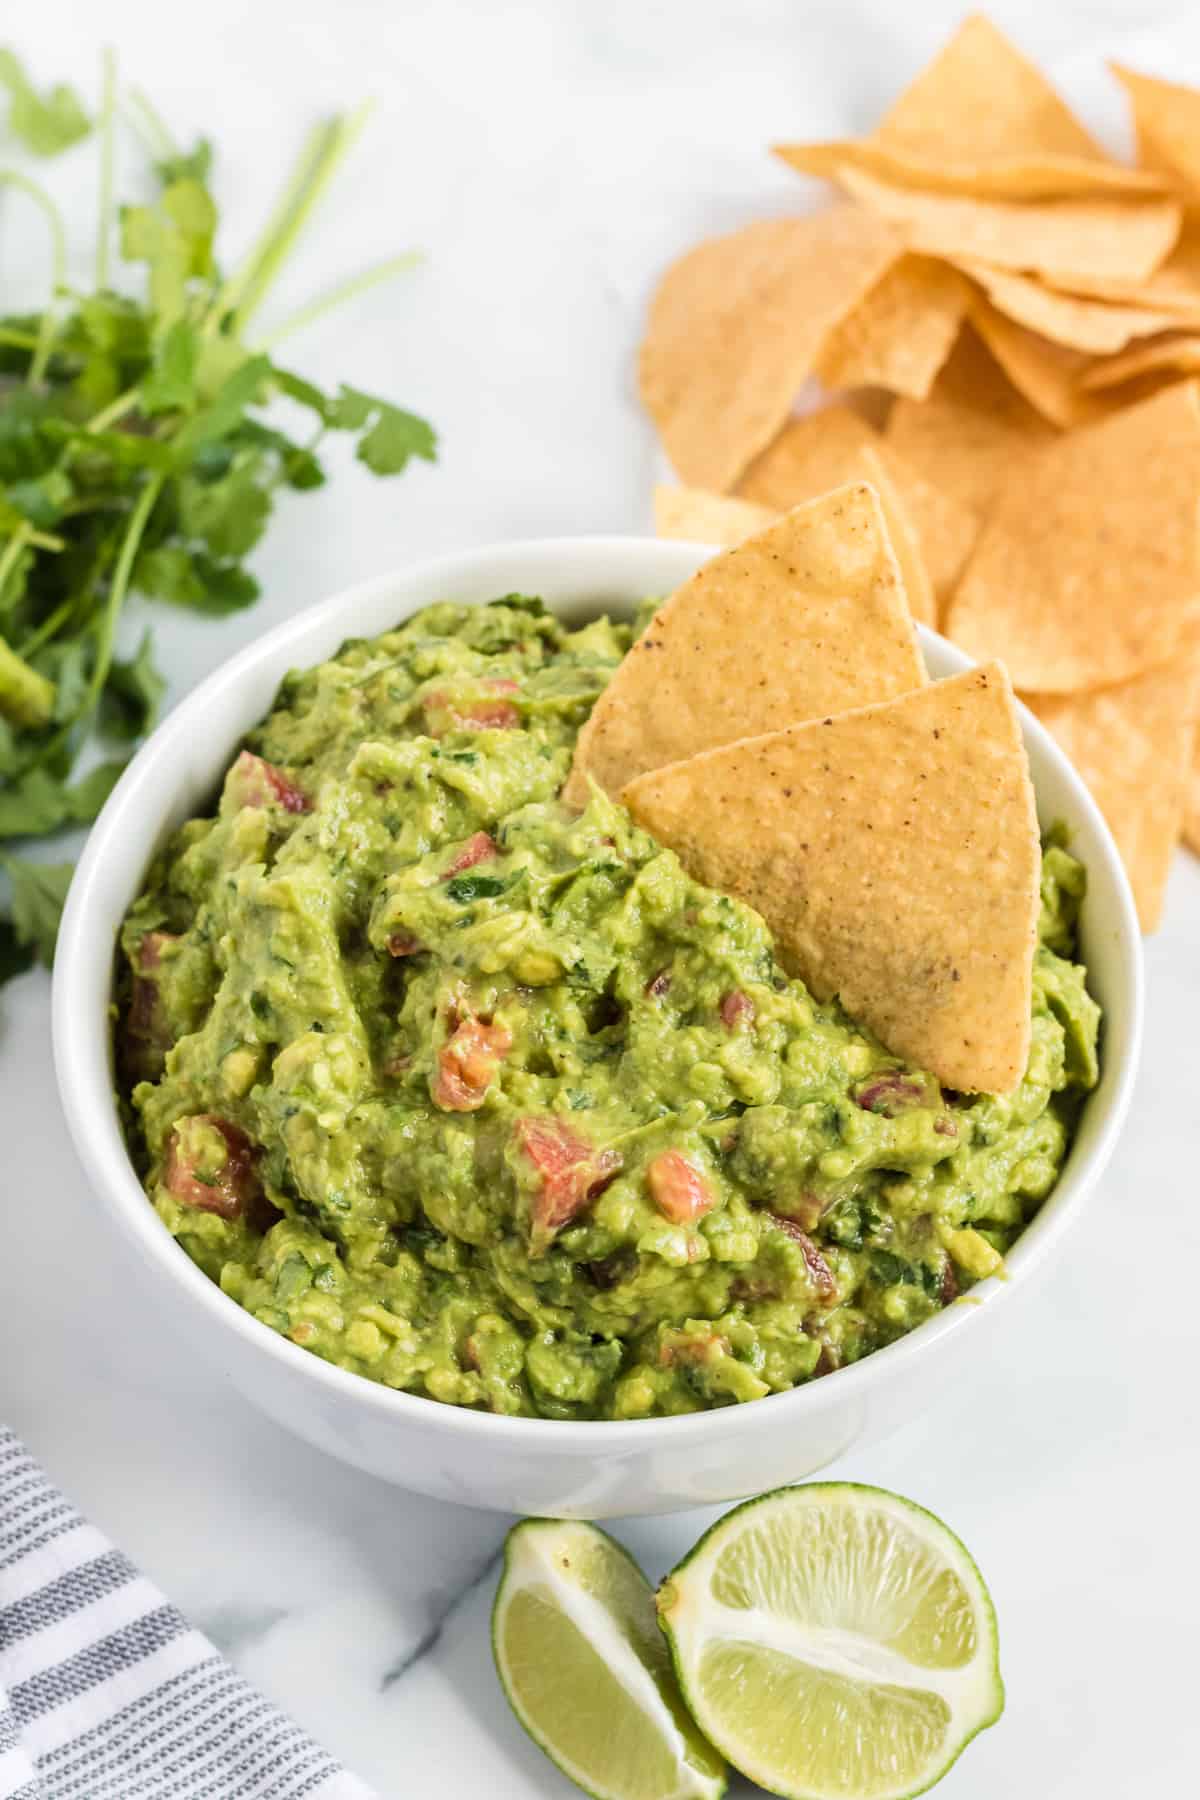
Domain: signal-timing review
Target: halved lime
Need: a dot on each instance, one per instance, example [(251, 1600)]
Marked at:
[(835, 1642), (587, 1671)]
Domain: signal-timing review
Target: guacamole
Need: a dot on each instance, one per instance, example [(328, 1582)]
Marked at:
[(486, 1100)]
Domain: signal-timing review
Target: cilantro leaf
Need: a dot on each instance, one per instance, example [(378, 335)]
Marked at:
[(132, 692), (32, 805), (45, 123), (89, 794), (229, 514), (236, 393), (390, 437), (171, 384), (38, 893), (188, 577), (174, 239), (15, 957)]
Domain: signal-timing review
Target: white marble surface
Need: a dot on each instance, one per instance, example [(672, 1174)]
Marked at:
[(549, 155)]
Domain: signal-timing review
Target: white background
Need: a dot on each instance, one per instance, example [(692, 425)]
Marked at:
[(549, 157)]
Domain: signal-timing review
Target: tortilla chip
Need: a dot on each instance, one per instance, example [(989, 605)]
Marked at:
[(1173, 287), (1191, 817), (1167, 120), (894, 853), (1078, 324), (901, 333), (1105, 238), (808, 617), (736, 328), (979, 120), (825, 448), (1047, 374), (703, 518), (971, 431), (1086, 567), (905, 541), (1167, 356), (1133, 745)]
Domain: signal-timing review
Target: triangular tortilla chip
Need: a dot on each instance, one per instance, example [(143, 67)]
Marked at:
[(825, 448), (1191, 817), (1133, 745), (900, 334), (808, 617), (1086, 568), (980, 119), (1175, 285), (703, 518), (736, 327), (1049, 375), (1168, 356), (719, 519), (971, 431), (894, 853), (871, 466), (1167, 118), (1097, 326), (1105, 238)]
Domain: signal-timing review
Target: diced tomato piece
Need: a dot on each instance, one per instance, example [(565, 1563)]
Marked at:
[(403, 943), (818, 1268), (570, 1172), (948, 1290), (253, 782), (736, 1006), (226, 1184), (691, 1347), (658, 985), (444, 713), (148, 1034), (467, 1063), (890, 1094), (477, 849), (678, 1189)]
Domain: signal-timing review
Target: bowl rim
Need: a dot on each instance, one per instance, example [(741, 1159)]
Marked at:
[(92, 1115)]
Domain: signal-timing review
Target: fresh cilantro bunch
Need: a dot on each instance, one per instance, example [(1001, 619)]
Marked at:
[(136, 453)]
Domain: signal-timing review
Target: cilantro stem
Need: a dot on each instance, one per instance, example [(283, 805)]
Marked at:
[(116, 409), (20, 340), (336, 296), (151, 125), (118, 587), (11, 554), (327, 144), (58, 253), (108, 103), (48, 628)]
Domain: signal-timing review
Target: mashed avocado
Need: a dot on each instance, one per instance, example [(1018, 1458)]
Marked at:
[(488, 1101)]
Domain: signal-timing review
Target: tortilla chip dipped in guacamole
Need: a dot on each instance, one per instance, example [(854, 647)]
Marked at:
[(808, 616), (894, 853), (491, 1101)]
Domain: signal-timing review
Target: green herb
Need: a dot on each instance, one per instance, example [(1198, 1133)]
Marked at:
[(45, 124), (38, 892), (137, 454), (464, 888)]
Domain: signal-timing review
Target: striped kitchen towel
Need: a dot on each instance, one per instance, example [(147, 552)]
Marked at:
[(107, 1693)]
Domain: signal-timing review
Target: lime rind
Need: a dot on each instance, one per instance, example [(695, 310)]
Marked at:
[(539, 1558), (694, 1621)]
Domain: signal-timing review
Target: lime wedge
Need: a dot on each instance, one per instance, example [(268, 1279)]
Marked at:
[(835, 1642), (587, 1671)]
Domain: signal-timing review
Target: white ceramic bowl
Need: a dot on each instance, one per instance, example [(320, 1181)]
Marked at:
[(588, 1470)]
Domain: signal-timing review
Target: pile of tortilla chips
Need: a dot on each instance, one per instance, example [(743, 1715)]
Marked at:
[(1008, 319), (883, 826)]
